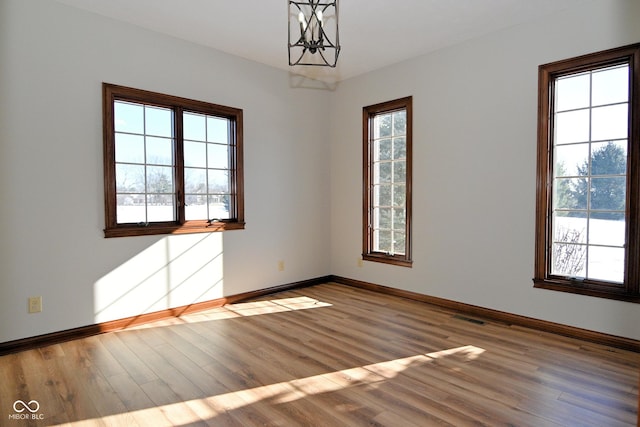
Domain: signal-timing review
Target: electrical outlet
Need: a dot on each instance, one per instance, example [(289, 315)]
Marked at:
[(360, 262), (35, 304), (280, 265)]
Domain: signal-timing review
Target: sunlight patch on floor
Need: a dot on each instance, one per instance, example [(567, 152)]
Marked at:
[(275, 306), (208, 408), (255, 308)]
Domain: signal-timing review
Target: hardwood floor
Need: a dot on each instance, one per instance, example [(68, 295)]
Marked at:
[(327, 355)]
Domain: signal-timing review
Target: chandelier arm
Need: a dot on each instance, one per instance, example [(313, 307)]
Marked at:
[(329, 64), (304, 50)]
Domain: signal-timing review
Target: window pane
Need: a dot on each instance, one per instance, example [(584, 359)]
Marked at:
[(611, 85), (400, 123), (130, 209), (382, 195), (399, 215), (159, 179), (610, 122), (195, 154), (218, 156), (217, 130), (569, 260), (159, 151), (607, 231), (382, 218), (400, 148), (195, 181), (196, 209), (130, 178), (160, 207), (195, 199), (568, 229), (572, 92), (398, 243), (606, 264), (399, 195), (219, 206), (129, 148), (571, 160), (382, 172), (609, 158), (382, 125), (128, 117), (218, 181), (608, 193), (382, 240), (194, 127), (572, 126), (570, 193), (399, 171), (158, 121), (382, 149)]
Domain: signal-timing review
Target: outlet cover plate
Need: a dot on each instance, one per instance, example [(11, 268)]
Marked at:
[(35, 304)]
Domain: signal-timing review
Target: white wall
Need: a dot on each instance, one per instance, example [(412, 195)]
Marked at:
[(53, 60), (474, 179)]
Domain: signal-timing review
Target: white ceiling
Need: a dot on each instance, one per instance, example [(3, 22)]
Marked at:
[(373, 33)]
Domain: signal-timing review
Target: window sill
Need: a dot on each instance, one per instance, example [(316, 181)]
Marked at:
[(588, 289), (388, 259), (189, 228)]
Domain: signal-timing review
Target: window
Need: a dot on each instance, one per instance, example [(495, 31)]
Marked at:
[(171, 165), (387, 130), (588, 191)]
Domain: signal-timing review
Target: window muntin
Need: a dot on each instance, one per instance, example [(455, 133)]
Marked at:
[(387, 169), (587, 232), (172, 165)]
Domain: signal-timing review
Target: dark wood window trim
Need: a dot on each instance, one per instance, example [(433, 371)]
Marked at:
[(629, 289), (368, 114), (112, 93)]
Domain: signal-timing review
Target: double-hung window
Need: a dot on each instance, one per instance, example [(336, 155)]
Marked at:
[(387, 148), (588, 191), (171, 165)]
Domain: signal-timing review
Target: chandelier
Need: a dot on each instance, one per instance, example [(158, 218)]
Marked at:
[(313, 33)]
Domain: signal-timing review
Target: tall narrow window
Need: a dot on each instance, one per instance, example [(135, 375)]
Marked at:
[(387, 142), (588, 237), (172, 165)]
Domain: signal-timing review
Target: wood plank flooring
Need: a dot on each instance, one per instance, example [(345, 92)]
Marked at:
[(328, 355)]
